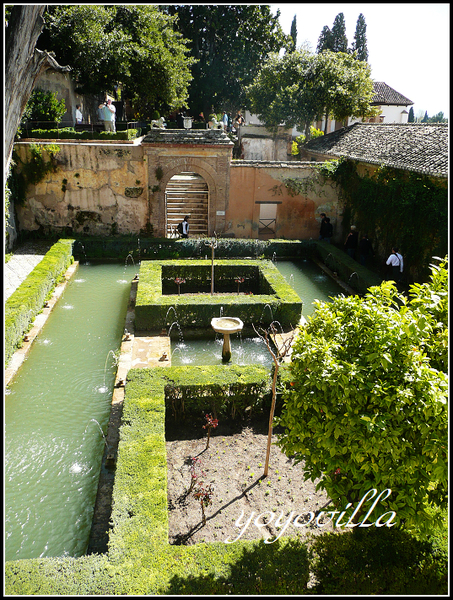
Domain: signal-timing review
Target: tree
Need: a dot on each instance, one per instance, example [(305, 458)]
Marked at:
[(359, 45), (425, 118), (293, 32), (411, 117), (282, 92), (23, 65), (325, 40), (230, 43), (339, 39), (132, 45), (344, 86), (299, 87), (367, 406)]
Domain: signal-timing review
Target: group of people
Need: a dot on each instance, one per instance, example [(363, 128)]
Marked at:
[(107, 114), (364, 247)]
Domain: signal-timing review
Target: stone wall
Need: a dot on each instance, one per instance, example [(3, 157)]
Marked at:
[(96, 189), (118, 187)]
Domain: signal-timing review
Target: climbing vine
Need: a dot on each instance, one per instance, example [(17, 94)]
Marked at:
[(33, 170), (396, 207)]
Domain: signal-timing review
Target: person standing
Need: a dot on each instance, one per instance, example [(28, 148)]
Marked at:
[(185, 227), (109, 116), (395, 261), (107, 113), (365, 250), (352, 241), (225, 121), (78, 115)]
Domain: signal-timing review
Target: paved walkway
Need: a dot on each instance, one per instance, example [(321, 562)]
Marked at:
[(25, 259)]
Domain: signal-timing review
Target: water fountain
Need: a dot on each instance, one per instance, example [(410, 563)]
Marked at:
[(351, 276), (100, 429), (226, 326), (270, 311)]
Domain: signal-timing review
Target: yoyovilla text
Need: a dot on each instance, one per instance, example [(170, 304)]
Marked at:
[(300, 520)]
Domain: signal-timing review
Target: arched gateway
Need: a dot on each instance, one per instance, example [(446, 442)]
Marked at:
[(176, 156)]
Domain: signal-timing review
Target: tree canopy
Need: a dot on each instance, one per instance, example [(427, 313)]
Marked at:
[(335, 39), (367, 406), (132, 45), (299, 87), (230, 43)]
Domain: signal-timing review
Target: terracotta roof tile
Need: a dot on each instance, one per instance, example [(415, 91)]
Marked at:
[(418, 147), (384, 94)]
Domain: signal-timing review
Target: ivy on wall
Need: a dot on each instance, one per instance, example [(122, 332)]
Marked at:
[(41, 162), (396, 207)]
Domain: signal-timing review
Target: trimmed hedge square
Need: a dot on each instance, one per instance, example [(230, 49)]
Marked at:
[(263, 286)]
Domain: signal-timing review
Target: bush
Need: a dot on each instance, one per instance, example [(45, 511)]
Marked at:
[(69, 133), (380, 561), (44, 106), (367, 408)]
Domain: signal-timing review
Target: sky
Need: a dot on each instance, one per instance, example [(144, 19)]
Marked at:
[(408, 44)]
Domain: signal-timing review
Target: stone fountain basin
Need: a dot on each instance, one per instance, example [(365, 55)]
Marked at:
[(227, 324)]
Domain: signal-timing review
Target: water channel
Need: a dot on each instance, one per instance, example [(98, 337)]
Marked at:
[(57, 407), (56, 411)]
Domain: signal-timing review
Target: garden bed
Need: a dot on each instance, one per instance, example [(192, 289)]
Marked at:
[(233, 464)]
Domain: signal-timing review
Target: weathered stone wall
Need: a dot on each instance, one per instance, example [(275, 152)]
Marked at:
[(96, 189), (108, 188)]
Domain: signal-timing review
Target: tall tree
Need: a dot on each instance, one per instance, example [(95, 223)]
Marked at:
[(359, 45), (135, 45), (325, 40), (23, 65), (230, 43), (411, 117), (339, 39), (293, 32)]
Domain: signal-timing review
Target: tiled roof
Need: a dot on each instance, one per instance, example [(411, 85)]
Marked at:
[(418, 147), (384, 94), (187, 136)]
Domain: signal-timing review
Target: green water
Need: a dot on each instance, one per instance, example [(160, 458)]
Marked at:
[(307, 280), (53, 443)]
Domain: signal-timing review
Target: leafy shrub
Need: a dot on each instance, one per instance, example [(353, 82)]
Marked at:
[(44, 106), (380, 561), (367, 408)]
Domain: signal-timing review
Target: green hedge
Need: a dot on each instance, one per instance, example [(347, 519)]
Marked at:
[(379, 561), (193, 311), (69, 133), (145, 247), (141, 562), (27, 301)]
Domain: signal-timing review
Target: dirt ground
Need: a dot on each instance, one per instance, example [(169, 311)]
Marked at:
[(233, 465)]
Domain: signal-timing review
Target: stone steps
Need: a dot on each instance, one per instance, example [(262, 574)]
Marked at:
[(187, 194)]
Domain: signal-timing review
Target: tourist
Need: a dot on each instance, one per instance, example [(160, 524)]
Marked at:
[(109, 116), (365, 250), (225, 121), (323, 229), (395, 261), (352, 241), (185, 227), (78, 115)]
